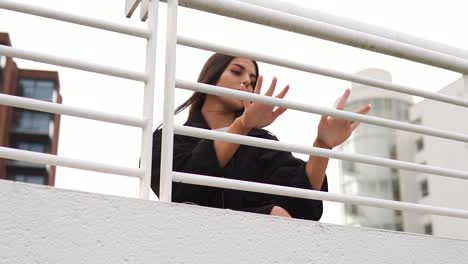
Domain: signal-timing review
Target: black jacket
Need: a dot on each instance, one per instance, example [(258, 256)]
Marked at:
[(194, 155)]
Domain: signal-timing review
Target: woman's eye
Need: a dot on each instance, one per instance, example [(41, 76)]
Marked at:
[(236, 72)]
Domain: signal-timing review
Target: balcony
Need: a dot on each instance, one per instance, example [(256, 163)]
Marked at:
[(50, 225)]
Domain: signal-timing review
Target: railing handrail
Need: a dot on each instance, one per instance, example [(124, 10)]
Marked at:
[(55, 108), (72, 63), (274, 60), (308, 27), (74, 18), (260, 15), (148, 78), (211, 89), (312, 194), (357, 25), (297, 148), (281, 20), (36, 157)]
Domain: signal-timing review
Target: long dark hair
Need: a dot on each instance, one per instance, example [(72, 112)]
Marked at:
[(210, 74)]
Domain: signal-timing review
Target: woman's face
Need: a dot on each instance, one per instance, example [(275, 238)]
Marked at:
[(239, 75)]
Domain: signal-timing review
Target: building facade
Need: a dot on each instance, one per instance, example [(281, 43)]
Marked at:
[(368, 180), (432, 151), (26, 129)]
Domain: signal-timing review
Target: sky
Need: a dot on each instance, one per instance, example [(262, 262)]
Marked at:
[(441, 21)]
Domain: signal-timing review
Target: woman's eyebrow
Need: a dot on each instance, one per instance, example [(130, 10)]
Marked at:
[(243, 68)]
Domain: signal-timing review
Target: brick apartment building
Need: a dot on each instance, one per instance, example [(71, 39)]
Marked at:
[(25, 129)]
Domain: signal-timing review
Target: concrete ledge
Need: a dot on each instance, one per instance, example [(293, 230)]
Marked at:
[(40, 224)]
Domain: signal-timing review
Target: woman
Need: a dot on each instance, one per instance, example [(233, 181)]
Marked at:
[(233, 161)]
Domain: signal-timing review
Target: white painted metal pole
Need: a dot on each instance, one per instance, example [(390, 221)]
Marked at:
[(200, 44), (345, 22), (35, 157), (33, 104), (316, 195), (71, 63), (168, 112), (216, 90), (148, 102), (72, 18), (272, 144), (465, 85), (293, 23)]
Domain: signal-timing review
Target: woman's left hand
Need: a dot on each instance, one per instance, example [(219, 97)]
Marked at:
[(334, 131)]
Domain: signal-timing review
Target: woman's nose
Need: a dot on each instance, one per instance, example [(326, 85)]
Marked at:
[(246, 84), (243, 87)]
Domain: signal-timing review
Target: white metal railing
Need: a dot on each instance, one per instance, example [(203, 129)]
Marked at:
[(200, 44), (261, 15), (74, 19), (72, 63), (297, 24), (204, 88), (308, 27), (360, 26), (148, 77)]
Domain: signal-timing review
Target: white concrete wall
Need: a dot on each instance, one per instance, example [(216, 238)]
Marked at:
[(443, 191), (40, 224)]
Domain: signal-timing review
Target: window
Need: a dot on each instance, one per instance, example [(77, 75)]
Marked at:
[(398, 227), (420, 144), (354, 209), (417, 121), (428, 229), (349, 166), (37, 89), (396, 189), (28, 178), (32, 146), (424, 186), (30, 120)]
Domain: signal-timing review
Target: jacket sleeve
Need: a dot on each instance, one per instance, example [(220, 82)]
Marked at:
[(282, 168), (189, 155)]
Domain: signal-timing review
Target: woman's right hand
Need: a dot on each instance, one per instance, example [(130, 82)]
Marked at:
[(261, 115)]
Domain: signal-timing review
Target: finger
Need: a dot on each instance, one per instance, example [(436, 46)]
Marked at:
[(271, 90), (258, 86), (246, 104), (283, 92), (324, 120), (279, 111), (363, 109), (341, 104), (354, 125)]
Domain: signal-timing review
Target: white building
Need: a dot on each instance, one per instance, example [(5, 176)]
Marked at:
[(393, 184), (369, 180), (433, 189)]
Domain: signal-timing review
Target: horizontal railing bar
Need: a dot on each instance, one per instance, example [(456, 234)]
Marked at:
[(301, 25), (23, 155), (73, 18), (200, 44), (316, 195), (353, 24), (71, 63), (282, 146), (38, 105), (221, 91)]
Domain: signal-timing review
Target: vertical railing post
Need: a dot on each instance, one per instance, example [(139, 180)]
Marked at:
[(168, 112), (465, 85), (148, 100)]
